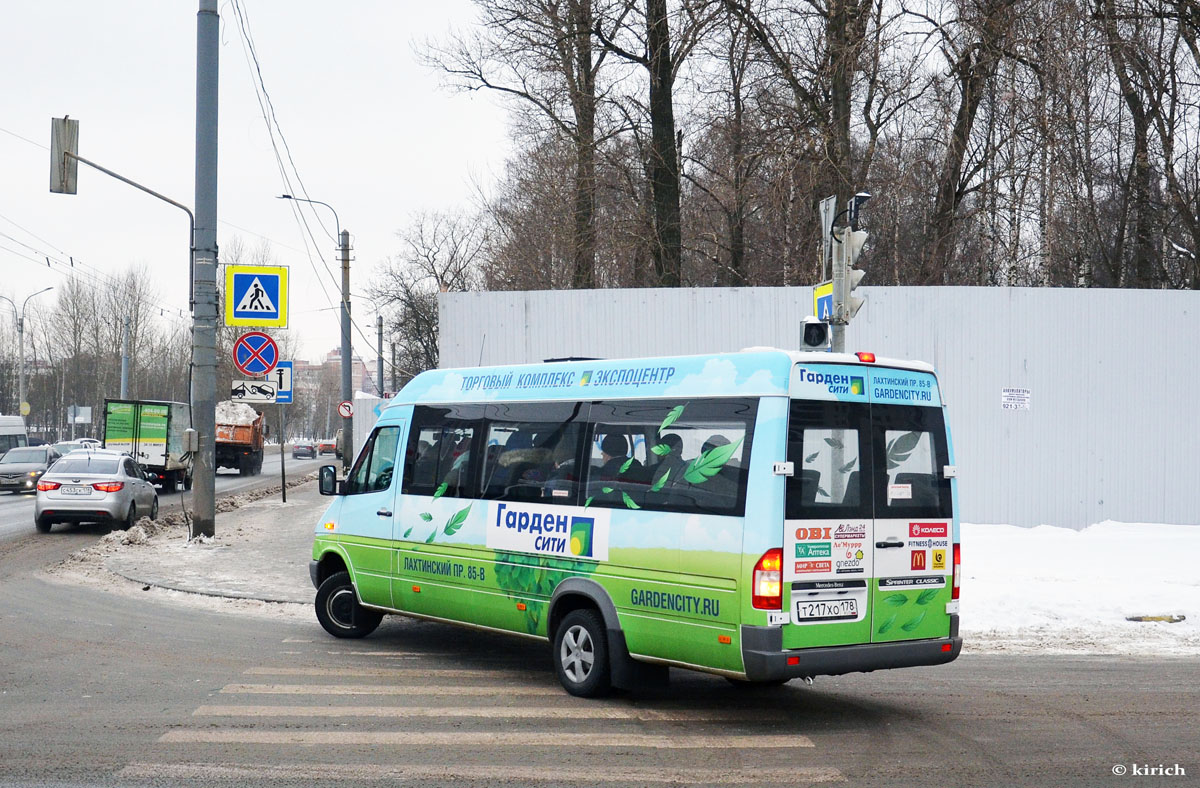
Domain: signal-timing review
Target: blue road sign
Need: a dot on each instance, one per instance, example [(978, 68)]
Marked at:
[(283, 382), (256, 295)]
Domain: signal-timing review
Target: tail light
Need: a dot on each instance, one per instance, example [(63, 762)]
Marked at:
[(768, 581), (957, 576), (48, 486), (108, 486)]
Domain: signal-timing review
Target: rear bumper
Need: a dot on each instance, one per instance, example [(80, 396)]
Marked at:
[(765, 659)]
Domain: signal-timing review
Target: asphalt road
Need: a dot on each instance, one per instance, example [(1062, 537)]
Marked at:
[(102, 688), (16, 509)]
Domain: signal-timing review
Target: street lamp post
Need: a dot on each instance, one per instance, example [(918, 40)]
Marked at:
[(20, 316), (347, 358)]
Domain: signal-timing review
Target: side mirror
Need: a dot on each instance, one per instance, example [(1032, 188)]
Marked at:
[(327, 480)]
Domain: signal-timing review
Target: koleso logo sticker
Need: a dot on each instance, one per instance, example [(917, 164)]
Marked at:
[(565, 531), (928, 530)]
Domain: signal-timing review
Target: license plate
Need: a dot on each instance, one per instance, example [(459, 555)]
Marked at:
[(70, 490), (826, 610)]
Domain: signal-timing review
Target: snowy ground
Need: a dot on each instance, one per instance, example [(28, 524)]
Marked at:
[(1057, 590), (1044, 590)]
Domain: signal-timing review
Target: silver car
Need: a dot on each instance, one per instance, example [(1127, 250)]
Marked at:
[(94, 486)]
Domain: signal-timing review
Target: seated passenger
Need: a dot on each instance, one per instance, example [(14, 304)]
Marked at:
[(614, 453)]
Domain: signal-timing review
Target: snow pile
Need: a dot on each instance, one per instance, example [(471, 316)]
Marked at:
[(1054, 590), (229, 412)]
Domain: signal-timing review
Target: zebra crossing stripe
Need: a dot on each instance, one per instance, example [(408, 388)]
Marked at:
[(384, 689), (519, 739), (587, 712), (389, 673), (515, 774)]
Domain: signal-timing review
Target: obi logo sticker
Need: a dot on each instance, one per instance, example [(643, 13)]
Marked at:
[(939, 559), (581, 536), (818, 550), (814, 533)]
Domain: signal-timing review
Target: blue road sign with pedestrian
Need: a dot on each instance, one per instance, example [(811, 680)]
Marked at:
[(256, 295)]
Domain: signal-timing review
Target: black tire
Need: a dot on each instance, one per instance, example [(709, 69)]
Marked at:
[(581, 654), (187, 482), (43, 524), (340, 613), (154, 509), (130, 518), (169, 483)]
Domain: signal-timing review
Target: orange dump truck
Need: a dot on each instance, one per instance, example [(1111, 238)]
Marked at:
[(240, 433)]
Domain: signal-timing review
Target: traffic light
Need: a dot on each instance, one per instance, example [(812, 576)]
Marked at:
[(815, 335), (846, 277)]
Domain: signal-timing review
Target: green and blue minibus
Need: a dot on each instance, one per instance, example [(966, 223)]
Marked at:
[(762, 515)]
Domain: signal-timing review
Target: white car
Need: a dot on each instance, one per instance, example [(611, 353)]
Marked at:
[(94, 486)]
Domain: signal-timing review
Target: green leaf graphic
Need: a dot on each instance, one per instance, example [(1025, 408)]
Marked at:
[(426, 516), (710, 463), (409, 531), (886, 625), (671, 418), (895, 600), (629, 501), (662, 480), (661, 449), (626, 465), (588, 502), (431, 537), (606, 490), (441, 490), (835, 443), (916, 622), (812, 456), (925, 596), (456, 522), (848, 466), (901, 447)]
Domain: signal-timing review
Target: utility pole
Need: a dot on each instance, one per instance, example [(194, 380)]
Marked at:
[(125, 360), (394, 386), (347, 358), (379, 352), (204, 245), (19, 314)]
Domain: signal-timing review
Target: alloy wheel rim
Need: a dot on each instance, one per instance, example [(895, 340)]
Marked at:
[(577, 654)]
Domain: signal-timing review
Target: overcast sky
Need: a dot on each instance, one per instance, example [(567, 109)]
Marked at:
[(370, 129)]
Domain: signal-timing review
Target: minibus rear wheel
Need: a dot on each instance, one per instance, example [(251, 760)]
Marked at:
[(581, 654), (340, 613)]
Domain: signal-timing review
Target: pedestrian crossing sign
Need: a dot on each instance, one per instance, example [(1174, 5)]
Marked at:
[(256, 295)]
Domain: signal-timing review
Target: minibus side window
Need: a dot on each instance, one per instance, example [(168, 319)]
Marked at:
[(826, 444), (690, 456), (373, 471), (439, 450), (532, 451)]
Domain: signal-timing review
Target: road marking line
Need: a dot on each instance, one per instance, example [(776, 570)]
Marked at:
[(296, 640), (382, 689), (393, 672), (580, 713), (792, 776), (523, 739)]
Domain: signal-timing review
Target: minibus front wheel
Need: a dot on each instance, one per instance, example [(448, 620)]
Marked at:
[(581, 654), (338, 609)]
